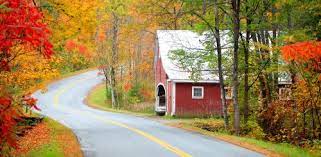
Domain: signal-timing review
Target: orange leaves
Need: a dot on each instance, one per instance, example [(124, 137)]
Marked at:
[(73, 46), (70, 45), (83, 50), (101, 37), (30, 141), (128, 86), (144, 67), (308, 52), (302, 51)]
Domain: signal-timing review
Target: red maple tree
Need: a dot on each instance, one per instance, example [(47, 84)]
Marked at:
[(21, 25)]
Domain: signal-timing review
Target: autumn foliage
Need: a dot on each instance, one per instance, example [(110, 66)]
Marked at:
[(297, 120), (7, 122), (308, 52), (21, 24), (22, 33)]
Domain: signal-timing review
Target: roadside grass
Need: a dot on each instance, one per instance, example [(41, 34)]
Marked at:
[(97, 99), (48, 150), (265, 147), (61, 142), (282, 148)]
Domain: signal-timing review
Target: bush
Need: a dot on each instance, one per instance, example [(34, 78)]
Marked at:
[(286, 121), (134, 95), (213, 125), (252, 129)]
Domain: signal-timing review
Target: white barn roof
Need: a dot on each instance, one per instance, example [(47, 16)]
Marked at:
[(169, 40)]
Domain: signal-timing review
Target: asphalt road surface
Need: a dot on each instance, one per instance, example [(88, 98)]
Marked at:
[(107, 134)]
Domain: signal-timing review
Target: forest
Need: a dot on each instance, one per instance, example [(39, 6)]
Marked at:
[(270, 41)]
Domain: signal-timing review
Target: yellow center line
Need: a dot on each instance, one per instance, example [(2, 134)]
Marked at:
[(152, 138)]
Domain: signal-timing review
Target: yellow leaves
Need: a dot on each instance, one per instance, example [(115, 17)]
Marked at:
[(76, 19), (28, 71), (145, 67), (289, 39), (262, 46)]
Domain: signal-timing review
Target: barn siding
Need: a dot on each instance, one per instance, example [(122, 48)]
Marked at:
[(160, 73), (209, 105), (161, 77)]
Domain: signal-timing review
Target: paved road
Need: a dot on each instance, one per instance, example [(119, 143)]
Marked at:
[(106, 134)]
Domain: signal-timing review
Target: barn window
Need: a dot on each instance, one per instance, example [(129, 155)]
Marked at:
[(285, 93), (197, 92)]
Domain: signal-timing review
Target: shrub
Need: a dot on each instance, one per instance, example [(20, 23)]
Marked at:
[(213, 125), (252, 129)]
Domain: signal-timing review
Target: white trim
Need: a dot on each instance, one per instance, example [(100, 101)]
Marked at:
[(197, 97), (191, 81), (167, 96), (173, 99), (157, 88), (284, 83)]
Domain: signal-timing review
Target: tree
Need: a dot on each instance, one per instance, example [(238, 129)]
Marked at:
[(219, 62), (21, 31), (72, 22), (236, 33), (167, 14)]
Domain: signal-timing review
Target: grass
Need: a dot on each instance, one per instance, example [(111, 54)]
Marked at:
[(61, 142), (262, 146), (282, 148), (48, 150), (97, 99)]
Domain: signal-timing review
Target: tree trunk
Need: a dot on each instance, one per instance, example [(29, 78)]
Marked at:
[(246, 65), (114, 58), (246, 81), (265, 95), (220, 69), (275, 53), (236, 31)]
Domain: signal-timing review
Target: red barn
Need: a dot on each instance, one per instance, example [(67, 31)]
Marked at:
[(176, 93)]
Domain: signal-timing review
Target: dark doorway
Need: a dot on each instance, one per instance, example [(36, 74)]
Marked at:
[(161, 95)]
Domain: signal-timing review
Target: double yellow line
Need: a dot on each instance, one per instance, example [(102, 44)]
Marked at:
[(162, 143)]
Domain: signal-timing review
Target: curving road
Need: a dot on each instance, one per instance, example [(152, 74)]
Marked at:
[(106, 134)]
